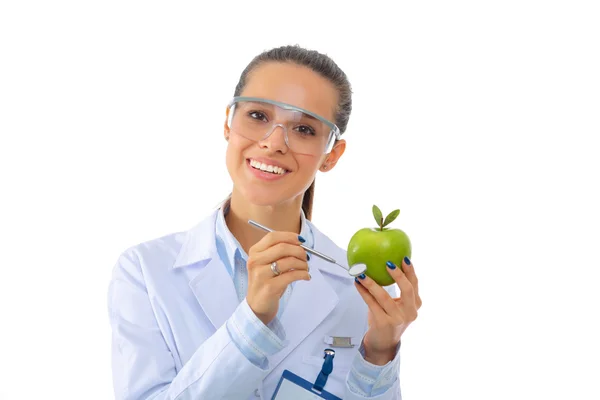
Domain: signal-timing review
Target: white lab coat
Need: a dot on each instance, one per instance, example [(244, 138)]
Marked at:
[(169, 299)]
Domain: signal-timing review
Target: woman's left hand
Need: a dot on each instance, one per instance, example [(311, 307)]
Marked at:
[(389, 317)]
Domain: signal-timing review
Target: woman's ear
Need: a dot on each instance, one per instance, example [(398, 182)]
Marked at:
[(332, 158), (226, 131)]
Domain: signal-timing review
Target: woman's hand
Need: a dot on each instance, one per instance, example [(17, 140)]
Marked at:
[(264, 288), (389, 317)]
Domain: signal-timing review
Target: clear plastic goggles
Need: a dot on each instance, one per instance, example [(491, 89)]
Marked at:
[(304, 132)]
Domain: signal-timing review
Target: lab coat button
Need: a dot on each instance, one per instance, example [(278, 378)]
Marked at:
[(256, 393)]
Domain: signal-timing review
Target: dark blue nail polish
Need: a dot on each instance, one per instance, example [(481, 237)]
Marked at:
[(356, 280), (362, 276), (390, 265), (307, 257), (406, 260), (300, 238)]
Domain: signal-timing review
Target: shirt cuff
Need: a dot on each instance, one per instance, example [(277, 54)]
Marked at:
[(255, 339), (370, 380)]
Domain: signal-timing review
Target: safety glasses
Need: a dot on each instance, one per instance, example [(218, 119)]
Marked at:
[(304, 131)]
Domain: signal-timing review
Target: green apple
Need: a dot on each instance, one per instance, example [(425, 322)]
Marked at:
[(376, 246)]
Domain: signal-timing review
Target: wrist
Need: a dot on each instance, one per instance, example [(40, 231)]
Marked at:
[(379, 357), (265, 318)]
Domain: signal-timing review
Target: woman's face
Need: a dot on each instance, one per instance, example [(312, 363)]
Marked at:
[(301, 87)]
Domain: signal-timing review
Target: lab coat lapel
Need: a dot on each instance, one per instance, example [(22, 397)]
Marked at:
[(209, 281), (214, 290)]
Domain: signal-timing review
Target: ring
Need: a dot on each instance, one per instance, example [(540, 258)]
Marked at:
[(276, 272)]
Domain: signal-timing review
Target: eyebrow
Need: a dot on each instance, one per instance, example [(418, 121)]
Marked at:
[(271, 106)]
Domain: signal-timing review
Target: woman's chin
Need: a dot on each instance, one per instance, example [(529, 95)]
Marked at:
[(263, 198), (266, 197)]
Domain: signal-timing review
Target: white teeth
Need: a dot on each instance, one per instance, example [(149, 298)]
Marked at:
[(268, 168)]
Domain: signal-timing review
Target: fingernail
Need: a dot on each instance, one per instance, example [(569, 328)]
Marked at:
[(406, 260), (362, 276), (356, 280), (300, 238), (390, 265), (309, 277), (307, 257)]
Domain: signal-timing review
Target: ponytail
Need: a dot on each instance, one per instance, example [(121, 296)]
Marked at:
[(307, 201)]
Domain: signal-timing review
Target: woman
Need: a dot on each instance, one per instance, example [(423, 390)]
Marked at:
[(220, 311)]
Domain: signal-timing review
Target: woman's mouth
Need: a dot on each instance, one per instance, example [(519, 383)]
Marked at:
[(272, 169)]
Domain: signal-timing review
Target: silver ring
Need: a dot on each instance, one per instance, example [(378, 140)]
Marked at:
[(276, 271)]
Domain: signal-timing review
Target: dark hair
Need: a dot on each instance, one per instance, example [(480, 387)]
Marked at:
[(321, 64)]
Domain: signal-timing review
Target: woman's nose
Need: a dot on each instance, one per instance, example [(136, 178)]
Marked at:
[(277, 139)]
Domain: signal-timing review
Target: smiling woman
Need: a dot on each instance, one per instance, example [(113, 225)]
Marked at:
[(292, 105), (225, 311)]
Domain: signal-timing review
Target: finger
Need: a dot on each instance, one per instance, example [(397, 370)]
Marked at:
[(378, 312), (284, 265), (279, 251), (409, 271), (280, 282), (272, 238), (382, 297), (407, 291)]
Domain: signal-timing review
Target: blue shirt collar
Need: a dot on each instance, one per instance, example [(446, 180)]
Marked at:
[(228, 246)]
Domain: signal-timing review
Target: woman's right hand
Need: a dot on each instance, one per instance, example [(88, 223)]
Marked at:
[(264, 288)]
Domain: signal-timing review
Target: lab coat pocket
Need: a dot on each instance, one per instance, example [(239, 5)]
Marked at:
[(342, 362)]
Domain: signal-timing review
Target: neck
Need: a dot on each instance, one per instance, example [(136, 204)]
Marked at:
[(280, 217)]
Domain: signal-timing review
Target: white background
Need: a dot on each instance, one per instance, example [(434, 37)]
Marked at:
[(479, 120)]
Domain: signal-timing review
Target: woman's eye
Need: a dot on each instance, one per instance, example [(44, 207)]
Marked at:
[(306, 130), (257, 115)]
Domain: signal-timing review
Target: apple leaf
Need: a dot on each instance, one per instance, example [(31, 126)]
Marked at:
[(378, 216), (391, 217)]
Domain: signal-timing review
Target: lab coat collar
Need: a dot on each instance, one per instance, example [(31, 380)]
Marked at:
[(199, 244)]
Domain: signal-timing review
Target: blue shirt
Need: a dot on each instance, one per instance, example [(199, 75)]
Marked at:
[(257, 340)]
